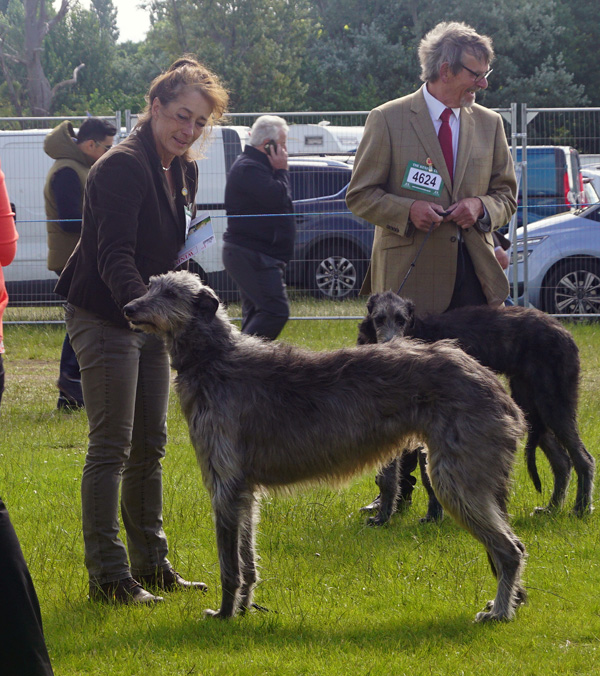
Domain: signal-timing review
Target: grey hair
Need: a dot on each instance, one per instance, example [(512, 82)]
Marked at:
[(446, 43), (267, 127)]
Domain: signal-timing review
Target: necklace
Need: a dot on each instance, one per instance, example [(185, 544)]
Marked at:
[(165, 168)]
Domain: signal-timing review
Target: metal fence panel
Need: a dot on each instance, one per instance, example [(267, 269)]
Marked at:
[(560, 272)]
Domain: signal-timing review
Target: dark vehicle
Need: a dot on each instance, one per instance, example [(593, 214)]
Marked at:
[(333, 247)]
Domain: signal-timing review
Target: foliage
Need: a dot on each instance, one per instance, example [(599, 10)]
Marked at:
[(344, 598), (303, 54), (367, 53), (256, 46)]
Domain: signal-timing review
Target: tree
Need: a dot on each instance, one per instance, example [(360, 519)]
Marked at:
[(107, 17), (22, 44), (580, 40), (366, 53), (256, 46)]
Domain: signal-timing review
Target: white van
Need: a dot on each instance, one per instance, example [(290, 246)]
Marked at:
[(26, 165), (323, 139)]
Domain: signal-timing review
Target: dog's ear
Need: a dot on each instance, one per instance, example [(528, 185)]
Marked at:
[(371, 302), (206, 304)]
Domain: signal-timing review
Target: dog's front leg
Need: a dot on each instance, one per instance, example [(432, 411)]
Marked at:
[(227, 509), (248, 555)]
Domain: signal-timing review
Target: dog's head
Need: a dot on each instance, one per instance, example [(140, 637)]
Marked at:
[(388, 316), (172, 301)]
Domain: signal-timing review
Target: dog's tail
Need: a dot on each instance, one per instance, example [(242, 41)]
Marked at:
[(532, 466)]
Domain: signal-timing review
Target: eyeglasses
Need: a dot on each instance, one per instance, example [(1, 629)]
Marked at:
[(107, 148), (478, 76)]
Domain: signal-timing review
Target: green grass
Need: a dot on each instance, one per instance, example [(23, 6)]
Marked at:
[(344, 598)]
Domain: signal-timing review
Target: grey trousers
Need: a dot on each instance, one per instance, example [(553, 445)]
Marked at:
[(125, 379), (260, 278)]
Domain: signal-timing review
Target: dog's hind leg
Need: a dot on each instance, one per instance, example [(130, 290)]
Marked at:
[(561, 469), (506, 554), (481, 510), (435, 511), (230, 506), (387, 480), (584, 465)]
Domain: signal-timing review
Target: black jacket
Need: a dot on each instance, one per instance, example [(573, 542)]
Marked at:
[(131, 227), (253, 187)]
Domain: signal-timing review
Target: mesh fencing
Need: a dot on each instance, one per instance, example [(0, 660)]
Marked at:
[(555, 258)]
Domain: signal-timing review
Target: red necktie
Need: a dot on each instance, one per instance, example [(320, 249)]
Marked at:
[(445, 138)]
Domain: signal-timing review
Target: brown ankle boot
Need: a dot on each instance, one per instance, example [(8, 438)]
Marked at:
[(127, 591)]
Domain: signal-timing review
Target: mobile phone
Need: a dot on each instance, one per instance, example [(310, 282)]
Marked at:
[(270, 145)]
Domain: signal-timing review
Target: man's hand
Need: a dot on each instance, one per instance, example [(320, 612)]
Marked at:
[(466, 212), (278, 157), (424, 215)]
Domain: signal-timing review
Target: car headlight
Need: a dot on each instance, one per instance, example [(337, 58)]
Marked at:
[(532, 242)]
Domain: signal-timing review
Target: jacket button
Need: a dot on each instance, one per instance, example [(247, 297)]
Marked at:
[(453, 239)]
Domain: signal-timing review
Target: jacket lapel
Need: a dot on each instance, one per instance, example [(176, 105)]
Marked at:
[(145, 135)]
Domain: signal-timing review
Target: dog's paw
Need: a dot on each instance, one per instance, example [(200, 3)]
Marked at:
[(216, 613), (432, 518), (378, 520), (583, 510), (489, 615)]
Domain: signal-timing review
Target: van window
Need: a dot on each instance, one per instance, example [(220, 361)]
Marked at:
[(544, 174)]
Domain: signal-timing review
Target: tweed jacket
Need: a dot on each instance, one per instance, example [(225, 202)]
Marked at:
[(132, 227), (397, 133)]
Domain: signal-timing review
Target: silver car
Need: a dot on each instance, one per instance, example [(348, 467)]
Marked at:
[(563, 263)]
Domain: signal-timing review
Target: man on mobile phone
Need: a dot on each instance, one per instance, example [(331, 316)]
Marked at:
[(259, 239)]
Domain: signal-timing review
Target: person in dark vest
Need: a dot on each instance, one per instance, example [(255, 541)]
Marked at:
[(74, 154)]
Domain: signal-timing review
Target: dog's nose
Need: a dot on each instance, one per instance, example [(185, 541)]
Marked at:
[(129, 309)]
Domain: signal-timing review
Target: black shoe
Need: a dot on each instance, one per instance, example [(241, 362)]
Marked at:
[(71, 393), (126, 592), (67, 404), (168, 580)]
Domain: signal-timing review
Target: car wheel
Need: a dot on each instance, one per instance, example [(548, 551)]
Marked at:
[(573, 287), (336, 271)]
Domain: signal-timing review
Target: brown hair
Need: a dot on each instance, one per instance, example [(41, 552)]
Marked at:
[(187, 72)]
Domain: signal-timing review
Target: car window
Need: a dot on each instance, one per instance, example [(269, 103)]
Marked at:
[(308, 182)]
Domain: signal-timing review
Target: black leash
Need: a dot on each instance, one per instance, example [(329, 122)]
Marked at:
[(412, 265)]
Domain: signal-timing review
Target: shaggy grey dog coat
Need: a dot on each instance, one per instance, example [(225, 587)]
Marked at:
[(538, 356), (266, 415)]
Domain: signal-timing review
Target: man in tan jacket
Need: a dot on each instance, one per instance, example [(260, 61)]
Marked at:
[(73, 155), (433, 170)]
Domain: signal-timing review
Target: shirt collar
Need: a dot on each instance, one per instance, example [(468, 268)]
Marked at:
[(436, 107)]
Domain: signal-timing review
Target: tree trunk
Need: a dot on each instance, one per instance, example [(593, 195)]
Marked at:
[(37, 27)]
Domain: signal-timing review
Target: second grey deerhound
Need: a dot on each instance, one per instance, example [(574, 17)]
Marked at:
[(541, 361), (267, 415)]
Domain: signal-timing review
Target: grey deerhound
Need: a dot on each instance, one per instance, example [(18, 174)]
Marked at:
[(540, 359), (267, 415)]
